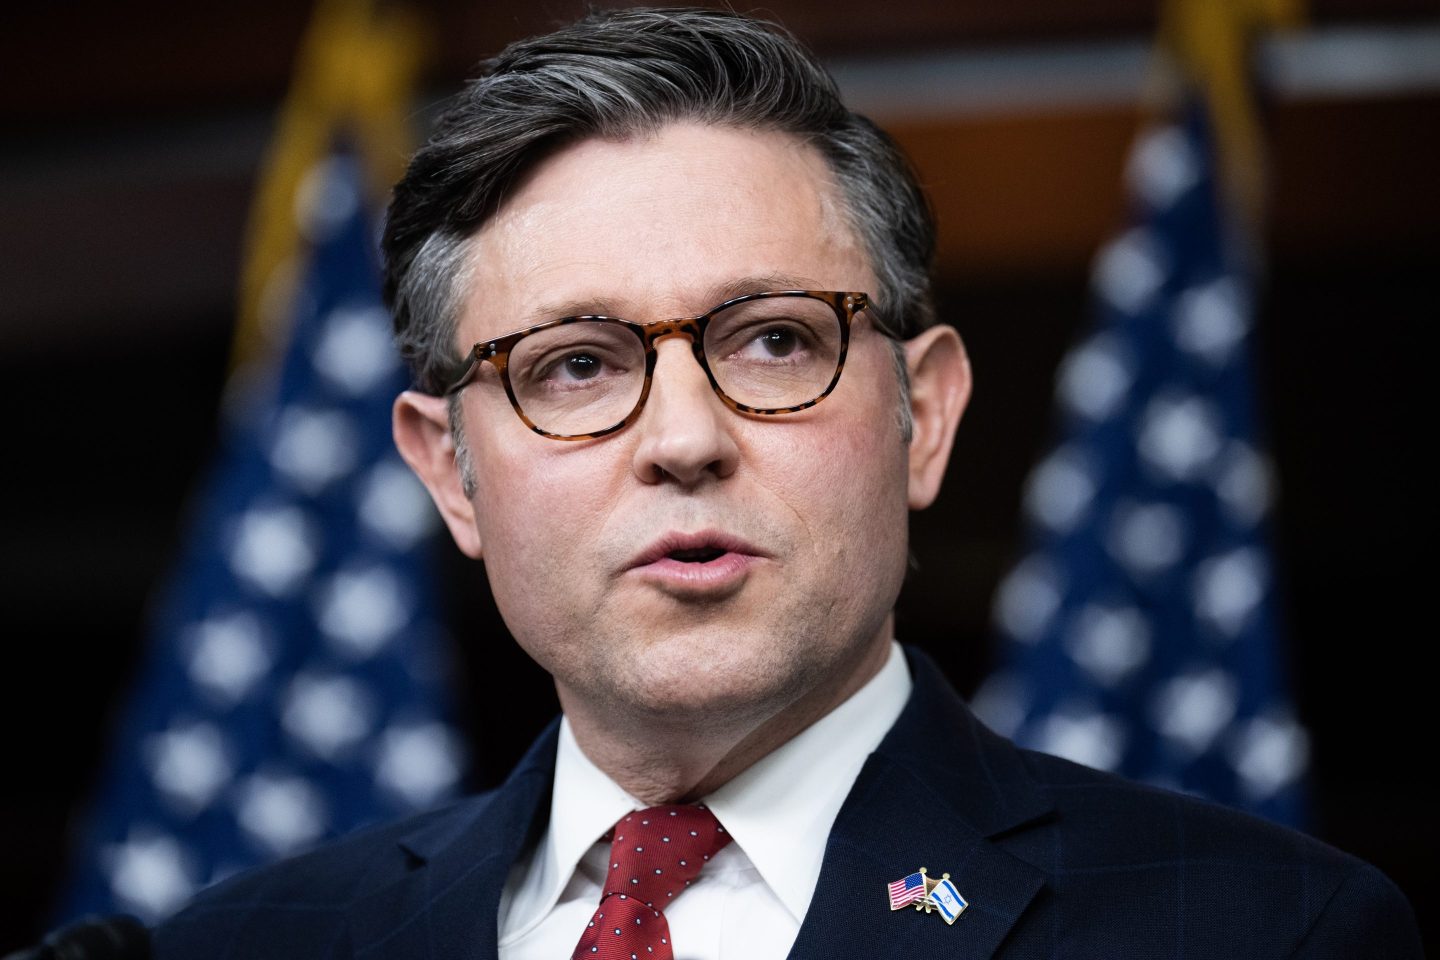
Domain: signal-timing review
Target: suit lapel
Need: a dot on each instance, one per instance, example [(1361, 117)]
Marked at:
[(934, 794), (445, 904)]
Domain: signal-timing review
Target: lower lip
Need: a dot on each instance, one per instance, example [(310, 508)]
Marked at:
[(724, 572)]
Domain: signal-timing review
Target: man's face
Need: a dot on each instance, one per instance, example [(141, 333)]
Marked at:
[(809, 509)]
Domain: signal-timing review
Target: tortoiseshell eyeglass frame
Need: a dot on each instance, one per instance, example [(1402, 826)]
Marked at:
[(497, 353)]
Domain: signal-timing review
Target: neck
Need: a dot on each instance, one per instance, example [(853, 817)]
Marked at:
[(680, 759)]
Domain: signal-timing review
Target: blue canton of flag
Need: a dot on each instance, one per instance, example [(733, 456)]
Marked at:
[(906, 890), (294, 684), (1140, 630)]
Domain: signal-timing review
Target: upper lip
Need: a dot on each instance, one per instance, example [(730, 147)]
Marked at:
[(669, 543)]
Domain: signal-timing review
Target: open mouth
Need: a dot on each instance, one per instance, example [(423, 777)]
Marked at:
[(696, 554), (708, 564), (695, 550)]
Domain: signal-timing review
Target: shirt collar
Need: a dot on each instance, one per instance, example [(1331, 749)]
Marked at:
[(583, 805), (779, 811)]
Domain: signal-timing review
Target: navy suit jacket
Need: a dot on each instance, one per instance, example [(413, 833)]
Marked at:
[(1056, 860)]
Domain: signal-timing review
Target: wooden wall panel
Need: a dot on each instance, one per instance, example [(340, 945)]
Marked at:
[(1033, 193)]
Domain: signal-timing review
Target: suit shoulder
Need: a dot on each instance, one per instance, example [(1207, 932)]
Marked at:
[(1193, 859), (301, 901), (1367, 916), (1163, 823)]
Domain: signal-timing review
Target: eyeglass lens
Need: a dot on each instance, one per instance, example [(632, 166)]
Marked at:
[(587, 376)]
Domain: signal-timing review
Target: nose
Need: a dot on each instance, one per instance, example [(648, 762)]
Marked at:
[(684, 432)]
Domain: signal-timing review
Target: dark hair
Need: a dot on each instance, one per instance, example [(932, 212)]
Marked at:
[(618, 73)]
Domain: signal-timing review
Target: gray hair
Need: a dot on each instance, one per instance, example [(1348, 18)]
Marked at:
[(621, 73)]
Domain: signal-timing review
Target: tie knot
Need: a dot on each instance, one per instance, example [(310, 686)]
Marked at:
[(657, 851)]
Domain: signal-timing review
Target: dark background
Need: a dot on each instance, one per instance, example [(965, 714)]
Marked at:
[(128, 153)]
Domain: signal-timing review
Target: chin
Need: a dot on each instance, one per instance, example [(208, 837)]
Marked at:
[(719, 679)]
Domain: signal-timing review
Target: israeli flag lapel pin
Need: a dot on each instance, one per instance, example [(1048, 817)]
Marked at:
[(927, 894), (945, 899)]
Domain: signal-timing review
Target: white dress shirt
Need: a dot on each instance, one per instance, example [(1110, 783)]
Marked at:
[(752, 896)]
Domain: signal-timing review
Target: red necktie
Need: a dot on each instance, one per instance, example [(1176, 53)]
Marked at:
[(654, 856)]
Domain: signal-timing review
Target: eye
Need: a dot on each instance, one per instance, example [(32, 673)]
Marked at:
[(778, 341), (770, 340), (576, 358), (574, 367), (580, 366)]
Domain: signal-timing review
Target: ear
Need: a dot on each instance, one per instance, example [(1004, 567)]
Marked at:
[(421, 425), (939, 391)]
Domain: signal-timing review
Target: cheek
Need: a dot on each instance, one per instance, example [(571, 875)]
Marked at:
[(868, 466), (524, 480), (541, 513), (845, 480)]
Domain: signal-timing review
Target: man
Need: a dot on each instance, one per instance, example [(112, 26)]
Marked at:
[(698, 527)]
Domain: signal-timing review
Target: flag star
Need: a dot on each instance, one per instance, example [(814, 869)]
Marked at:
[(327, 714), (327, 196), (151, 874), (274, 549), (1146, 538), (420, 762), (314, 448), (1191, 709), (189, 764), (354, 353), (1059, 492), (1081, 734), (1094, 379), (1108, 642), (1269, 753), (1130, 272), (361, 610), (1002, 702), (1243, 483), (1210, 320), (227, 656), (1228, 589), (281, 813), (1163, 166), (1029, 597), (1180, 435), (393, 505)]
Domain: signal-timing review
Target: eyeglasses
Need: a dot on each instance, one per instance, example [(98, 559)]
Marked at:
[(577, 378)]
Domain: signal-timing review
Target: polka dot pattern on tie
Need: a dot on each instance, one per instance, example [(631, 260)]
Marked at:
[(654, 855)]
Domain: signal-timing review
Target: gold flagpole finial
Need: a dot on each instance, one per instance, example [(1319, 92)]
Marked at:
[(355, 71), (1209, 45)]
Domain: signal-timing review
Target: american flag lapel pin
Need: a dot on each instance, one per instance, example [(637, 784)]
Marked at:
[(908, 890), (927, 894)]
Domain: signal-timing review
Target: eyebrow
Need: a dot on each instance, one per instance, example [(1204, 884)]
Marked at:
[(714, 296)]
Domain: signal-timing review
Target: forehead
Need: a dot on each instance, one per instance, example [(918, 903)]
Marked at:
[(657, 226)]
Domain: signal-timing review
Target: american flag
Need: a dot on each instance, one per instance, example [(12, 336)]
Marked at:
[(1139, 631), (906, 891), (294, 687)]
